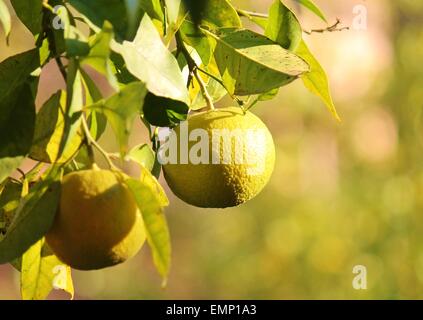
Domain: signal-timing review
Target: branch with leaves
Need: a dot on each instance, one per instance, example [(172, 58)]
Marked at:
[(129, 48)]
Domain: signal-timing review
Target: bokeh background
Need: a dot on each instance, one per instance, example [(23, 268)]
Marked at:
[(341, 194)]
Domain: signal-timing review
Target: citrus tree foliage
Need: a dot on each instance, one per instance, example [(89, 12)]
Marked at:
[(131, 44)]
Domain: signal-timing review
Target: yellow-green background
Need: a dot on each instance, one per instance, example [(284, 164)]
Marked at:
[(341, 194)]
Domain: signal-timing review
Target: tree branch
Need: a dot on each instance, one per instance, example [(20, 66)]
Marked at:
[(333, 28)]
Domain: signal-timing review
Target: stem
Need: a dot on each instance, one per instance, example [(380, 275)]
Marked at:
[(332, 28), (193, 68), (22, 173), (62, 68), (240, 102), (91, 142), (47, 6), (249, 14), (204, 91)]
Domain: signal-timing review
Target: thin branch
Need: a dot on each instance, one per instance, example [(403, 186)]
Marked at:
[(62, 68), (250, 14), (22, 173), (240, 102), (91, 142), (203, 87), (333, 28)]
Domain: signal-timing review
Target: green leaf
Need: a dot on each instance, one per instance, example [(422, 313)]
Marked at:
[(99, 11), (49, 131), (196, 9), (121, 110), (220, 14), (155, 224), (30, 12), (196, 39), (268, 95), (15, 70), (283, 26), (153, 8), (309, 4), (5, 19), (260, 21), (143, 155), (250, 63), (316, 80), (74, 104), (149, 180), (9, 201), (214, 87), (99, 54), (17, 121), (42, 271), (163, 112), (149, 60), (33, 217), (97, 121)]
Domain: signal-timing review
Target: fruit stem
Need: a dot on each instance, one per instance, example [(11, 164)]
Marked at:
[(204, 91), (91, 142), (221, 83), (193, 69)]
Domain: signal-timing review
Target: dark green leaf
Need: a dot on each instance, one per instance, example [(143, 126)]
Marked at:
[(9, 201), (17, 122), (114, 11), (122, 73), (283, 26), (30, 12), (77, 48), (15, 70), (196, 9), (33, 217), (163, 112)]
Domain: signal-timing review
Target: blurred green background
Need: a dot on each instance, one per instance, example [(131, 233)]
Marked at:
[(341, 194)]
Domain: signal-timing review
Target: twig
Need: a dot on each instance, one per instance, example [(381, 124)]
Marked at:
[(333, 28), (22, 173), (249, 14), (193, 68), (91, 141), (62, 68), (240, 102), (204, 91)]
